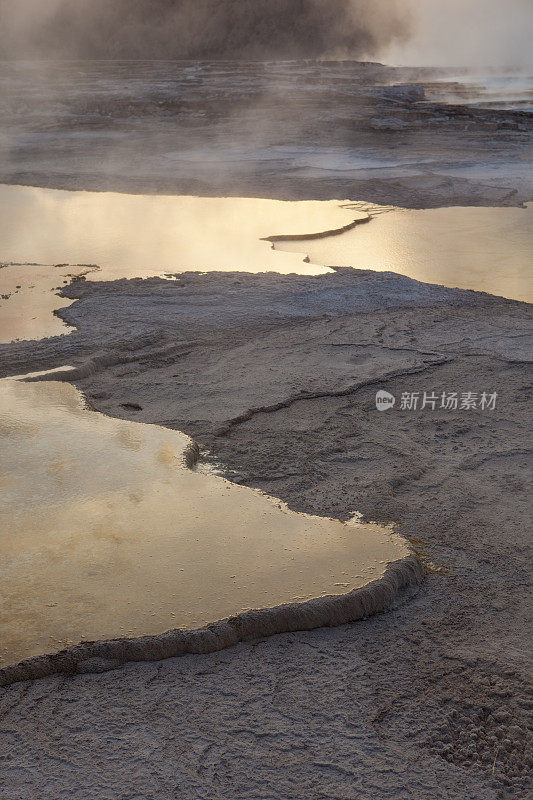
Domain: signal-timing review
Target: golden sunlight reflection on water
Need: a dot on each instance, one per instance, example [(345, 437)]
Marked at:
[(105, 533), (130, 236), (485, 249), (143, 235)]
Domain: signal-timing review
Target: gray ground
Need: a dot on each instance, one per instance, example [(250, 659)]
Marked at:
[(287, 130), (276, 377)]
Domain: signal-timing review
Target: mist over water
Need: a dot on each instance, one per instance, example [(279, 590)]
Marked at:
[(264, 97), (285, 130)]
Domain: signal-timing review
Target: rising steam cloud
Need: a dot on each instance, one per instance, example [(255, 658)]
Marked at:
[(430, 32), (200, 29), (467, 33)]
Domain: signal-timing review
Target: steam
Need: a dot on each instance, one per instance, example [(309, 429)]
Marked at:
[(198, 29), (466, 33), (410, 32)]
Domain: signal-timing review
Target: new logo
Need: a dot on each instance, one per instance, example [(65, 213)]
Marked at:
[(384, 400)]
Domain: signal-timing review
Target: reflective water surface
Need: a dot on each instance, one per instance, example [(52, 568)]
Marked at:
[(106, 236), (131, 236), (104, 532), (28, 299), (143, 235), (486, 249)]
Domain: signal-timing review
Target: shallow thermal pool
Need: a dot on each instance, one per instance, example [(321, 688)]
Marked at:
[(144, 235), (43, 231), (47, 236), (104, 532), (486, 249)]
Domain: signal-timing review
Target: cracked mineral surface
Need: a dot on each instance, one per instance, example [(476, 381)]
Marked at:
[(275, 377)]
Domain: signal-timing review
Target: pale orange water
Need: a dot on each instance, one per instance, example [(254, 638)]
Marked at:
[(104, 532), (130, 236), (144, 235), (486, 249)]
